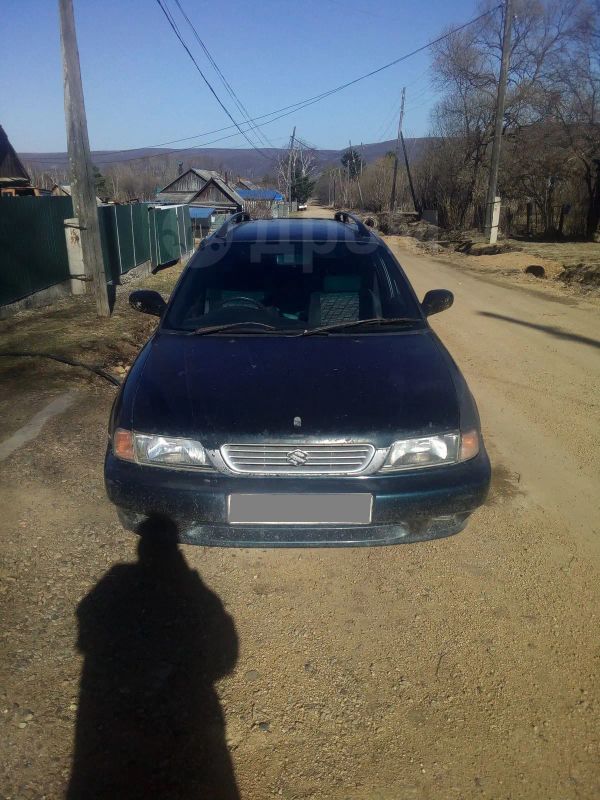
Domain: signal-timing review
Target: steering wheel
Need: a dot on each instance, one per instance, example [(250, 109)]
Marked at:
[(250, 302)]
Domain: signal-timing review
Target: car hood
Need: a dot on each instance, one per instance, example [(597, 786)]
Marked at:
[(220, 388)]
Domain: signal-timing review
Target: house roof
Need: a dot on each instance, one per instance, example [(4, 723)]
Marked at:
[(203, 174), (206, 174), (176, 197), (229, 192), (65, 188), (244, 183), (12, 171), (197, 212), (196, 197), (260, 194)]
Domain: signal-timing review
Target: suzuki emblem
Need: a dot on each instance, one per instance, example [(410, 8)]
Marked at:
[(297, 457)]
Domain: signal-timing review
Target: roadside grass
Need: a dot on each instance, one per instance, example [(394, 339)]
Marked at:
[(569, 254), (71, 328), (569, 262), (574, 264)]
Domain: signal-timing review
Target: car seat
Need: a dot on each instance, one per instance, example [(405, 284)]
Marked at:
[(343, 299)]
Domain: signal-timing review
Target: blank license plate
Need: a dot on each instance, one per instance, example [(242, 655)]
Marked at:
[(300, 509)]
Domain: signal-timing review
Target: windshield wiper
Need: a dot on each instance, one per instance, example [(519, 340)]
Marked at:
[(231, 326), (361, 322), (266, 328)]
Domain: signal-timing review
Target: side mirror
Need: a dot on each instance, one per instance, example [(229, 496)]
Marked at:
[(148, 302), (437, 300)]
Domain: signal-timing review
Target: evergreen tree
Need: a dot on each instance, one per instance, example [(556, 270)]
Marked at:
[(352, 161)]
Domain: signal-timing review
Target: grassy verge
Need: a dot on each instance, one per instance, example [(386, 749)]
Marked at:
[(71, 328)]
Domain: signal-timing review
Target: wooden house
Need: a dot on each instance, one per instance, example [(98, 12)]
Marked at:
[(201, 188), (14, 178)]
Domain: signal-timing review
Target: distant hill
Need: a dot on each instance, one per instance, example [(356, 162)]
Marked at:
[(245, 162)]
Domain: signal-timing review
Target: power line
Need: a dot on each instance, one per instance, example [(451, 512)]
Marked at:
[(179, 150), (230, 90), (295, 107), (427, 101), (385, 128), (173, 24), (307, 145), (205, 79), (316, 98)]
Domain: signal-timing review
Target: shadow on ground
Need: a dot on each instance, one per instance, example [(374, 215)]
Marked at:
[(154, 640), (551, 329)]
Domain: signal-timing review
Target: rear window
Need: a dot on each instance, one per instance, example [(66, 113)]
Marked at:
[(290, 286)]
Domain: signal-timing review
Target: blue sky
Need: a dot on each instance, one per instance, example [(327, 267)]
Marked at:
[(141, 88)]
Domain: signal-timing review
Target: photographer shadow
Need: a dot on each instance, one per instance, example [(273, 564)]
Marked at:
[(154, 640)]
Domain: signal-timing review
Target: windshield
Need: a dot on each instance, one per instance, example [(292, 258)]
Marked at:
[(289, 287)]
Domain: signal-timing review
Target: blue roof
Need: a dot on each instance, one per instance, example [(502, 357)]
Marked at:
[(259, 194), (201, 213)]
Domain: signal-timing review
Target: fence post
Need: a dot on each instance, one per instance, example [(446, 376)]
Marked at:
[(494, 221), (75, 255), (156, 233), (132, 233), (150, 224), (118, 241)]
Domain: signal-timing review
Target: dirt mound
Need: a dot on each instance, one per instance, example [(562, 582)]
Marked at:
[(472, 248), (406, 225), (584, 275)]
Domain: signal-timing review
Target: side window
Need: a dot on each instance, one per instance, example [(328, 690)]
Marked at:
[(391, 284), (396, 299), (385, 282)]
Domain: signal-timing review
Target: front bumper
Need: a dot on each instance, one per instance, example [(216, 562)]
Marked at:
[(407, 507)]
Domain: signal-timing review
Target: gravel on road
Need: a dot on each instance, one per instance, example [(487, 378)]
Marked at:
[(462, 668)]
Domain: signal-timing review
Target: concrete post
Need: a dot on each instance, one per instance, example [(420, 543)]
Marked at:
[(75, 255), (495, 221)]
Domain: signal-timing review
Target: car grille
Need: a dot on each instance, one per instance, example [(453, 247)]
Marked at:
[(297, 458)]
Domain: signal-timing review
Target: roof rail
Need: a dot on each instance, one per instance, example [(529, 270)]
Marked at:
[(234, 219), (347, 217)]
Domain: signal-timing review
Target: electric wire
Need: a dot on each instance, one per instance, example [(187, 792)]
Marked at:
[(228, 87), (177, 33), (295, 107)]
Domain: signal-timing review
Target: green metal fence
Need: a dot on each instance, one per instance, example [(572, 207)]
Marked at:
[(170, 233), (33, 251), (125, 238)]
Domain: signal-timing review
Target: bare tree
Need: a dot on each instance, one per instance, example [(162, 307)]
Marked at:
[(301, 162), (543, 89), (576, 105)]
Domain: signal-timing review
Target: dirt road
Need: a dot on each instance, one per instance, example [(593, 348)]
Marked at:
[(463, 668)]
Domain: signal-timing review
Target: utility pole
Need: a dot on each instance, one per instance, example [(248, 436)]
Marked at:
[(347, 195), (492, 208), (83, 188), (410, 181), (397, 152), (290, 167), (356, 171)]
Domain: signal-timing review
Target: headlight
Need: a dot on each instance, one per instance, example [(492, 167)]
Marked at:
[(429, 451), (159, 450)]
